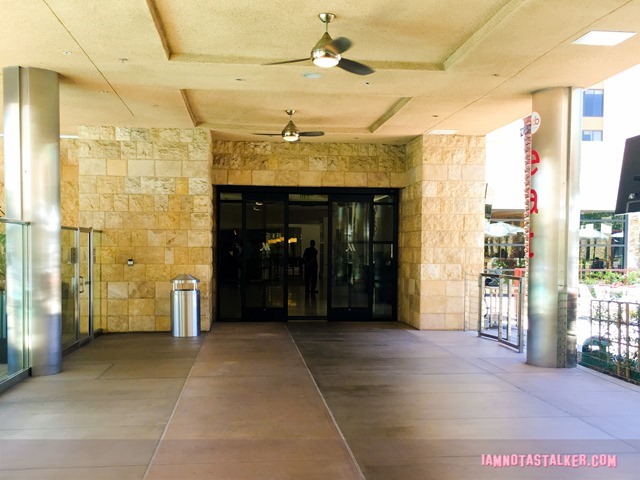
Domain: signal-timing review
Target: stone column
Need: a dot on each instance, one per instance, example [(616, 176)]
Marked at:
[(441, 229)]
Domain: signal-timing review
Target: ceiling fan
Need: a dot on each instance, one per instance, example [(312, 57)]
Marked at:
[(291, 132), (327, 52)]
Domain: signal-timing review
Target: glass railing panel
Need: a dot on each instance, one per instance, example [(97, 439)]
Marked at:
[(13, 300), (4, 342)]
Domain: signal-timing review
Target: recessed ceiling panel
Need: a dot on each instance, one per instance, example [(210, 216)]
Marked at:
[(529, 31), (335, 113), (408, 31)]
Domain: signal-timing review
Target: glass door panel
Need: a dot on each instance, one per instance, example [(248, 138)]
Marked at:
[(383, 222), (84, 286), (69, 246), (307, 223), (383, 281), (98, 287), (350, 250), (384, 259), (230, 258), (265, 259)]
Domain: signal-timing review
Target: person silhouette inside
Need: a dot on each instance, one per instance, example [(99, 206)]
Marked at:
[(310, 260)]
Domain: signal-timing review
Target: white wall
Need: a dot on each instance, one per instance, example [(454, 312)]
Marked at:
[(505, 166)]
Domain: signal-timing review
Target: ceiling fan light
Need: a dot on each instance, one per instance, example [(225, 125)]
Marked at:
[(291, 136), (324, 59), (291, 132)]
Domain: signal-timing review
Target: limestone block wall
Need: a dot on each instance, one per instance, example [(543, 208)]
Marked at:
[(441, 228), (68, 178), (149, 191), (308, 164), (410, 238), (69, 192)]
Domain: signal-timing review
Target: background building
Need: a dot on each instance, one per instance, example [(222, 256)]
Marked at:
[(609, 118)]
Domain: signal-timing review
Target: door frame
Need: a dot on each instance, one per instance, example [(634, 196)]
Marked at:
[(333, 193), (81, 255)]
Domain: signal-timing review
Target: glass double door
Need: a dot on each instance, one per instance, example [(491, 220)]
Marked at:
[(81, 308), (283, 261), (287, 257), (363, 257)]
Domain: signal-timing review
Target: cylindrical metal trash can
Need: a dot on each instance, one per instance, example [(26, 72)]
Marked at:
[(185, 306)]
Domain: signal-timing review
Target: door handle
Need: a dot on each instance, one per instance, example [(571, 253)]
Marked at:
[(81, 289)]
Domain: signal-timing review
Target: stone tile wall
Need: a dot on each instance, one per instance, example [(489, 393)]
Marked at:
[(68, 178), (69, 192), (149, 191), (441, 228), (308, 164), (410, 238)]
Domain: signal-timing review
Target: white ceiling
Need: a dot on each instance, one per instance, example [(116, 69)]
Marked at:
[(467, 65)]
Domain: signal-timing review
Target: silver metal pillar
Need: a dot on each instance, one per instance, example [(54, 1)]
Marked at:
[(554, 223), (32, 191)]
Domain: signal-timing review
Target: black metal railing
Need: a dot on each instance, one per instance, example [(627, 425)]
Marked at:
[(613, 344)]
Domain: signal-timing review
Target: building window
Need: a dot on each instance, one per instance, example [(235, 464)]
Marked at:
[(593, 103), (592, 135)]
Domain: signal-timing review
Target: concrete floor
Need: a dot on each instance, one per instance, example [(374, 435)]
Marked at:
[(312, 400)]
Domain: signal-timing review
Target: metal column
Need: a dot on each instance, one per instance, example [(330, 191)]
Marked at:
[(554, 223), (32, 191)]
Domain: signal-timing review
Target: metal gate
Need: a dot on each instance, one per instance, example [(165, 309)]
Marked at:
[(501, 303)]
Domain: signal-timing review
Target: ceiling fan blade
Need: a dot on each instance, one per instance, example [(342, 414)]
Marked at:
[(288, 61), (311, 134), (269, 134), (354, 67), (339, 45)]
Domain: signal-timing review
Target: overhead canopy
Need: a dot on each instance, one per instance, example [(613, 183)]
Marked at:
[(461, 65)]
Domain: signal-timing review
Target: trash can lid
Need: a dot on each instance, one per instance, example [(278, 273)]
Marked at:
[(185, 278)]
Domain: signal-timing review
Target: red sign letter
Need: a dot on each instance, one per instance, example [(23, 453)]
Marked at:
[(535, 158)]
